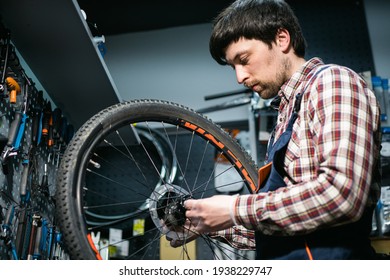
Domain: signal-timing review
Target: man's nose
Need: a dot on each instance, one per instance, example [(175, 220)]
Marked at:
[(241, 75)]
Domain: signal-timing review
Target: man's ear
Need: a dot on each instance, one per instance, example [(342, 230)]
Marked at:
[(283, 39)]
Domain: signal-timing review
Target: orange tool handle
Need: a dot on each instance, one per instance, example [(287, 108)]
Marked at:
[(14, 87)]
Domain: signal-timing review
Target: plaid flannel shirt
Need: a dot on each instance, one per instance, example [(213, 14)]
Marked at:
[(329, 159)]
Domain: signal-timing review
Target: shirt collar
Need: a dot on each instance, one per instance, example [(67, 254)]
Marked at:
[(289, 88)]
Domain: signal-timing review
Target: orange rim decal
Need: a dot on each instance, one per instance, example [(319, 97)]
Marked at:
[(237, 163), (252, 186), (212, 139), (201, 131), (98, 256), (190, 126)]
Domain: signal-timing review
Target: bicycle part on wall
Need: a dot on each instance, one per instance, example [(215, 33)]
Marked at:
[(29, 161), (118, 193)]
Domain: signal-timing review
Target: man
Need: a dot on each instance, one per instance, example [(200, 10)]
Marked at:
[(318, 199)]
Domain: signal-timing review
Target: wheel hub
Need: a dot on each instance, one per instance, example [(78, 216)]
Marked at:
[(167, 210), (170, 209)]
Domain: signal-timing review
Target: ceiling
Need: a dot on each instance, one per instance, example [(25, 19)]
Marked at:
[(113, 17), (117, 16)]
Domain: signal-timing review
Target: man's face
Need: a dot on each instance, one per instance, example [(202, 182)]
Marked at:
[(257, 66)]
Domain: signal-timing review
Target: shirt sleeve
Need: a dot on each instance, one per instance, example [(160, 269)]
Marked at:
[(238, 237), (343, 117)]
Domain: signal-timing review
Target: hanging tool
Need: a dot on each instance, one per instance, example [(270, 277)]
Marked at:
[(14, 87), (6, 231), (35, 232), (16, 131), (46, 118), (7, 44)]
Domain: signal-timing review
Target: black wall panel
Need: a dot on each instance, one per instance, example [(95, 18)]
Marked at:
[(336, 31)]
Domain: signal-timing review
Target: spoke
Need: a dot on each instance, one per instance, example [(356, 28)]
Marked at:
[(188, 154), (118, 183), (150, 158), (131, 155), (182, 173), (205, 184), (118, 220), (151, 189), (200, 164), (150, 249), (154, 240)]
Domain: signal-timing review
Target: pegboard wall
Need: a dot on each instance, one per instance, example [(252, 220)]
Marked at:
[(336, 31), (32, 140)]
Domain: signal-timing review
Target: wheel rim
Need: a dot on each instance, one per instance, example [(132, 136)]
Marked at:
[(141, 232)]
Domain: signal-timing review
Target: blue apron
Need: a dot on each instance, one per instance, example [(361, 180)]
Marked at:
[(342, 242)]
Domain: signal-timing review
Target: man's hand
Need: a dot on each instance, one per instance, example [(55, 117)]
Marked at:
[(210, 214), (177, 241)]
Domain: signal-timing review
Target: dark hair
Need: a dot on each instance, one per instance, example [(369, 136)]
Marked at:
[(254, 19)]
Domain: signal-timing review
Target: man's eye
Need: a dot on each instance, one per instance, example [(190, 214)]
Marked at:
[(244, 61)]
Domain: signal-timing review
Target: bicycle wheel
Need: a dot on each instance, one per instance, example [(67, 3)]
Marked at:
[(120, 175)]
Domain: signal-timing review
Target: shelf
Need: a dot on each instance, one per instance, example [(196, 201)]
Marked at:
[(54, 40)]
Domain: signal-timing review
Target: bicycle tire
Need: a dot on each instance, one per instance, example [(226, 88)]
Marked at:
[(76, 175)]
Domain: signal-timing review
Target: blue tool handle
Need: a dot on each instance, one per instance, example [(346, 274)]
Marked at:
[(20, 134), (9, 216)]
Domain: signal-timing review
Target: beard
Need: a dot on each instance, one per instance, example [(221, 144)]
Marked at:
[(270, 89)]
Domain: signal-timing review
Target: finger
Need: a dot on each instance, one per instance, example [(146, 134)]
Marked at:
[(176, 243), (168, 238), (188, 204), (192, 215)]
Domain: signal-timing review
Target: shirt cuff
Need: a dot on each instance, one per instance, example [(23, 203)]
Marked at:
[(249, 209)]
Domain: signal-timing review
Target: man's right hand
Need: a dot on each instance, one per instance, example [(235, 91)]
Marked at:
[(182, 236)]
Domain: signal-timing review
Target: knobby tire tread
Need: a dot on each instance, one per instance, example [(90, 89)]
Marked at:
[(67, 172)]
